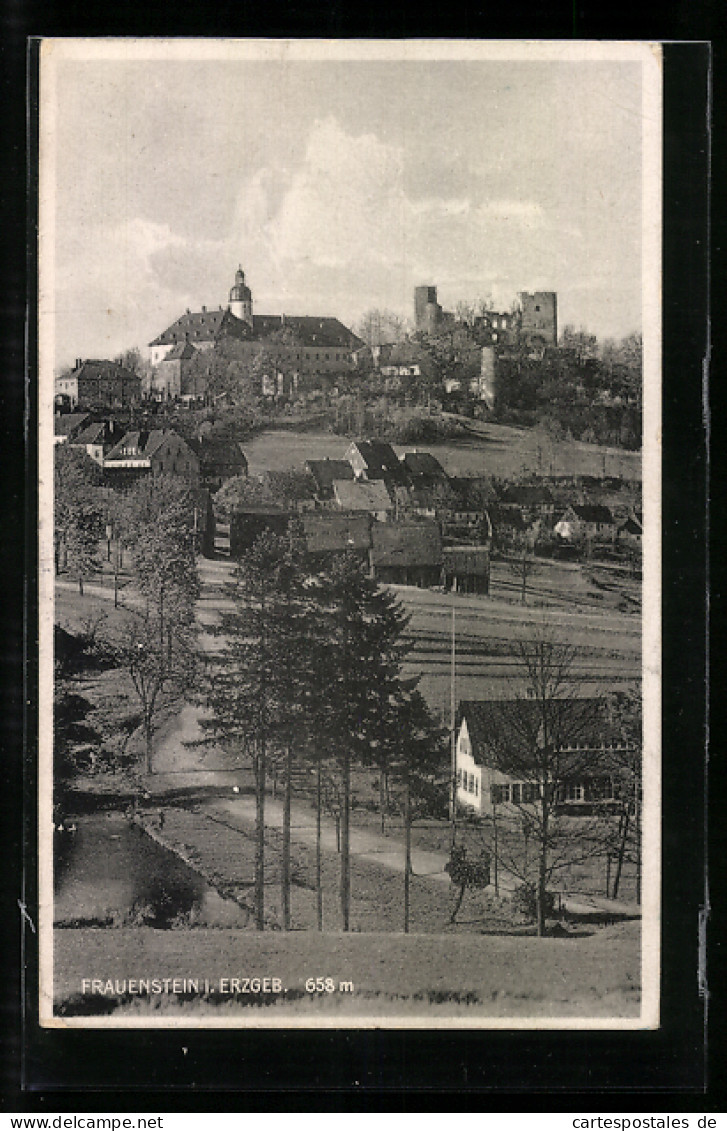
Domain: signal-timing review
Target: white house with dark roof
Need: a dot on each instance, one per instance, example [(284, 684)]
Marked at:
[(158, 452), (500, 743)]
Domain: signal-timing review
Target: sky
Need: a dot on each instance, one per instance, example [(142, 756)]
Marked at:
[(338, 184)]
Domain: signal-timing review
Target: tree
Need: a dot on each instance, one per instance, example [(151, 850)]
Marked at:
[(364, 625), (76, 478), (418, 763), (536, 737), (624, 711), (381, 327)]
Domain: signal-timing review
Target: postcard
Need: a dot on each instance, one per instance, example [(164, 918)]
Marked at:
[(349, 435)]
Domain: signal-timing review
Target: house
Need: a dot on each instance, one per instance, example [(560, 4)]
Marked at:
[(324, 472), (406, 553), (360, 495), (97, 439), (67, 425), (219, 460), (466, 569), (200, 329), (329, 532), (375, 459), (423, 469), (534, 500), (174, 375), (497, 753), (631, 532), (158, 452), (586, 522), (99, 384)]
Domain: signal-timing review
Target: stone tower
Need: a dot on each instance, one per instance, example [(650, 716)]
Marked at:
[(241, 298), (427, 311), (539, 322)]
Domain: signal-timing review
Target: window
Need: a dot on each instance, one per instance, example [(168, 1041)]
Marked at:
[(574, 791), (529, 794), (516, 794), (459, 777), (477, 785), (500, 794)]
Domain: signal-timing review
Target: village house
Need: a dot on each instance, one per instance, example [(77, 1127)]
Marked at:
[(325, 472), (158, 452), (499, 746), (423, 470), (631, 532), (175, 376), (466, 569), (533, 500), (97, 439), (67, 425), (360, 495), (328, 533), (248, 522), (375, 459), (99, 384), (589, 522), (406, 553)]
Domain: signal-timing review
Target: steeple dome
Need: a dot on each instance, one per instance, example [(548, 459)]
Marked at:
[(241, 298)]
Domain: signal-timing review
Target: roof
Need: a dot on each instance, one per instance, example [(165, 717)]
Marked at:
[(324, 471), (592, 512), (203, 326), (183, 351), (66, 423), (336, 533), (93, 434), (423, 464), (378, 456), (355, 495), (474, 560), (309, 330), (94, 368), (219, 451), (406, 544), (505, 733), (145, 443), (631, 526)]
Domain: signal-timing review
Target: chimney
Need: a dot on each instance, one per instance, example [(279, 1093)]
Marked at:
[(204, 309), (79, 362), (187, 310)]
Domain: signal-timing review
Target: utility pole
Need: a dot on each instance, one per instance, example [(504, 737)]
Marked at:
[(453, 750)]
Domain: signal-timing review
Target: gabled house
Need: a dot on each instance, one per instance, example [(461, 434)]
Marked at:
[(500, 746), (589, 521), (406, 553), (100, 383), (97, 439), (631, 532), (423, 469), (466, 569), (67, 425), (173, 376), (534, 500), (360, 495), (325, 472), (158, 452), (375, 459), (329, 532), (249, 522)]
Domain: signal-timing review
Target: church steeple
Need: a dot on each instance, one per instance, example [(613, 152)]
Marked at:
[(241, 298)]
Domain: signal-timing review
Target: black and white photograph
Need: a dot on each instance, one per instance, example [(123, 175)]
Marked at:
[(350, 520)]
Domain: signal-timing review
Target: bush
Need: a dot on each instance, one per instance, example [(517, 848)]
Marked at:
[(525, 901)]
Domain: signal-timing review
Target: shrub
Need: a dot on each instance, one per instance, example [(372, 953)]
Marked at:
[(525, 901)]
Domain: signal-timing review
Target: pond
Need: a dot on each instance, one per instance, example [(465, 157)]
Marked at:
[(110, 873)]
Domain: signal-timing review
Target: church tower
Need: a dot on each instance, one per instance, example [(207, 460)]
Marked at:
[(241, 298)]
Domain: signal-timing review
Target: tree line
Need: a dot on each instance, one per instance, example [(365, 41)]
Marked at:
[(308, 679)]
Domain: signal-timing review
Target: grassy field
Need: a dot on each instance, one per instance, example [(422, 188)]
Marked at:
[(402, 977), (492, 449)]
